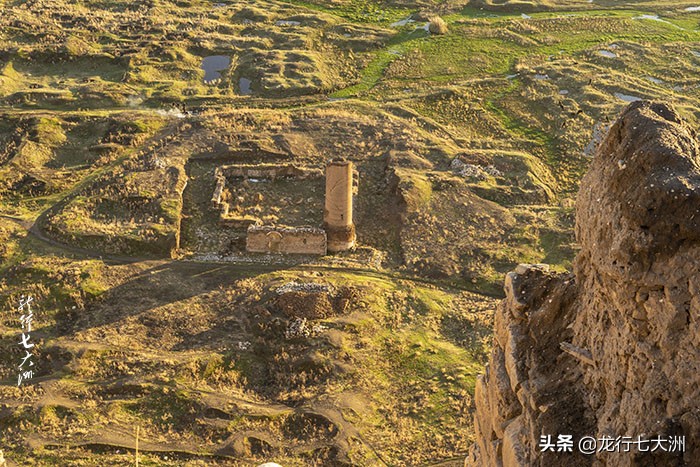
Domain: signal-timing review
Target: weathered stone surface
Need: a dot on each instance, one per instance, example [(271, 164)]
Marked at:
[(612, 350), (286, 240), (513, 450), (268, 171)]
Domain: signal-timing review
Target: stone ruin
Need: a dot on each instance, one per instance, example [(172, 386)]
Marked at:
[(286, 240), (337, 216), (338, 231), (255, 173)]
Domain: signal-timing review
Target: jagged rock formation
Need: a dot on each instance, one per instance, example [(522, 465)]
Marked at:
[(613, 349)]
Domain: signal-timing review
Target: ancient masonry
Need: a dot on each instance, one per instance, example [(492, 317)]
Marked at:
[(256, 172), (287, 240), (338, 232), (337, 216)]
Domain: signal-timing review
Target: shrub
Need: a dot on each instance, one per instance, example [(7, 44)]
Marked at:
[(437, 25)]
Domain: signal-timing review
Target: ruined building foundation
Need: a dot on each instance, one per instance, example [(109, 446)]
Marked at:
[(337, 215), (286, 240)]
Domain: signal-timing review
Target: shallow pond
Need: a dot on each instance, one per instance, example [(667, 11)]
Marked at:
[(244, 86), (627, 98), (656, 18), (402, 22), (213, 65)]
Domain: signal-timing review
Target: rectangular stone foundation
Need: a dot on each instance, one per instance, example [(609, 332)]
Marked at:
[(286, 240)]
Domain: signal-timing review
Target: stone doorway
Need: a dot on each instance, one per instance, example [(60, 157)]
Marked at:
[(274, 242)]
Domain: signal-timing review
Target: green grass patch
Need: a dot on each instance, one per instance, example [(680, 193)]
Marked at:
[(358, 11), (514, 125), (372, 73)]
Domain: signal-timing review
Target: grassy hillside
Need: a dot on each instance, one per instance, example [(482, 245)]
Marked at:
[(469, 147)]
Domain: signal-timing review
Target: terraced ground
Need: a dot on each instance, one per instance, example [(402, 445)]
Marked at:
[(469, 147)]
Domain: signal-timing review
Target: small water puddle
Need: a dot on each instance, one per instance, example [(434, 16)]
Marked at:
[(213, 65), (627, 98), (656, 18), (244, 86), (287, 23), (693, 8), (607, 53), (402, 22)]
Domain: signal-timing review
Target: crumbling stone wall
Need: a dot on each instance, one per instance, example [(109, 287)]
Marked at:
[(531, 385), (614, 349), (339, 231), (225, 173), (286, 240), (268, 171), (218, 188)]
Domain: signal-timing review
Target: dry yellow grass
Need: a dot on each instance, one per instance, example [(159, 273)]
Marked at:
[(437, 25)]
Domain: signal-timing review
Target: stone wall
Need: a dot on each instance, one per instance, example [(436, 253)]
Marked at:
[(530, 386), (223, 175), (268, 171), (220, 184), (286, 240)]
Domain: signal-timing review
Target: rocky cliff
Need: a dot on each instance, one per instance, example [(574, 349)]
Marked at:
[(611, 351)]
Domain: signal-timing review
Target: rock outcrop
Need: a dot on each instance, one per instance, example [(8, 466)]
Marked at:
[(612, 350)]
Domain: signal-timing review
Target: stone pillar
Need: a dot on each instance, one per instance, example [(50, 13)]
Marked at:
[(337, 216)]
